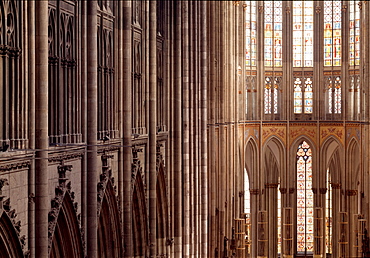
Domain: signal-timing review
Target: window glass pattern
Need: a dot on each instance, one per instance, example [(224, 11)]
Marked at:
[(273, 33), (354, 33), (251, 34), (328, 215), (304, 199), (334, 86), (332, 33), (303, 33), (303, 95), (271, 94), (247, 195)]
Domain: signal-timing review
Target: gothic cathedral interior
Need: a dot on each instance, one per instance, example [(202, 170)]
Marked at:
[(139, 128)]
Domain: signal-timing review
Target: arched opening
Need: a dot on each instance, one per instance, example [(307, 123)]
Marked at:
[(10, 245), (109, 227), (162, 212), (67, 240), (139, 218)]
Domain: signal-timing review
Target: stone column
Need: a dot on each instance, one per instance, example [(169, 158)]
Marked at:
[(203, 113), (42, 200), (152, 127), (125, 178), (31, 123), (92, 118), (178, 133)]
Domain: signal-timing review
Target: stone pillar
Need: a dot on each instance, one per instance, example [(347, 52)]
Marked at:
[(31, 123), (42, 200), (203, 113), (92, 118), (152, 128), (127, 126), (178, 133)]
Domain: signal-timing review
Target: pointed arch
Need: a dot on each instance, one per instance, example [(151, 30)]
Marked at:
[(67, 237), (139, 217), (354, 160), (10, 246), (109, 226), (251, 161), (162, 208)]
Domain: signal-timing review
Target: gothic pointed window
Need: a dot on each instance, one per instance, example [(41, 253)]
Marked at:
[(247, 195), (271, 94), (304, 199)]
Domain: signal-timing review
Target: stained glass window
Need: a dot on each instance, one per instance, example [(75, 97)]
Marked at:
[(302, 33), (332, 33), (328, 215), (334, 94), (303, 95), (271, 94), (251, 33), (247, 202), (304, 199), (273, 33), (298, 96), (354, 33)]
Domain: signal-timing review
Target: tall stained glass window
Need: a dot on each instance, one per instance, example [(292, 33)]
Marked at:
[(273, 33), (304, 199), (303, 95), (303, 33), (354, 33), (334, 85), (251, 33), (271, 94), (332, 33), (328, 215)]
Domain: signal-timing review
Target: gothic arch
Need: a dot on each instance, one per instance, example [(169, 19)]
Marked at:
[(354, 160), (109, 225), (275, 150), (251, 157), (139, 218), (67, 237), (162, 208), (10, 245), (331, 153)]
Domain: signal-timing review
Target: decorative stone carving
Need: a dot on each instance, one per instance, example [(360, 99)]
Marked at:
[(271, 185), (291, 190), (283, 190), (351, 192), (336, 185), (323, 190), (254, 191)]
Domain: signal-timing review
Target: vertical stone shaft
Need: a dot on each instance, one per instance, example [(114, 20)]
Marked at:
[(31, 122), (92, 118), (41, 127), (178, 133), (152, 126), (185, 127), (127, 127), (203, 126)]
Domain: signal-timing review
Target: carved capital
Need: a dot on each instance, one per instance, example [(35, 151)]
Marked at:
[(260, 8), (283, 190), (314, 190), (241, 193), (287, 9), (318, 9), (351, 192), (360, 5), (291, 190), (336, 185), (344, 8), (254, 191), (323, 190)]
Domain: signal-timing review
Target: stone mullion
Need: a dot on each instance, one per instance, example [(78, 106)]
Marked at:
[(319, 107), (31, 120), (125, 82), (286, 99), (203, 113), (92, 125), (41, 128), (186, 128), (210, 118), (259, 103), (192, 126), (152, 128)]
